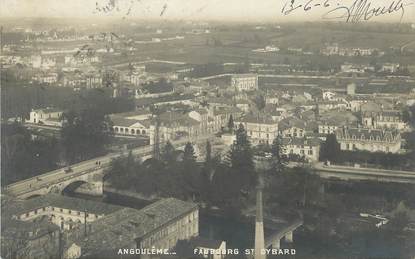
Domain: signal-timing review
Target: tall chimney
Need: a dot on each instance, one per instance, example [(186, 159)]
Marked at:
[(259, 223)]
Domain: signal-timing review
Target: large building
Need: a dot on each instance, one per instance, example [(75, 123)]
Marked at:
[(45, 77), (383, 119), (135, 123), (55, 226), (32, 228), (173, 126), (260, 129), (245, 82), (48, 116), (159, 225), (199, 122), (309, 149), (292, 128), (372, 140)]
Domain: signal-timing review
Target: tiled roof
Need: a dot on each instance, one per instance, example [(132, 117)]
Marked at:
[(121, 121), (123, 227), (291, 122), (132, 113), (367, 134), (48, 110), (25, 229), (19, 207), (389, 113), (262, 119), (226, 110), (301, 141), (176, 119), (169, 98)]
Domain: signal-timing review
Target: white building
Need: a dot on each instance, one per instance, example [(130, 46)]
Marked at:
[(174, 126), (46, 77), (124, 126), (133, 78), (389, 67), (260, 129), (372, 140), (48, 116), (292, 128), (302, 147), (245, 82), (327, 95), (390, 119)]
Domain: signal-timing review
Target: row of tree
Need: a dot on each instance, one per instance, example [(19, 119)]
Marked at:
[(227, 183), (85, 134), (23, 156)]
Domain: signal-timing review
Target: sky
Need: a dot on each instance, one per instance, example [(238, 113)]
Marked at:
[(243, 10)]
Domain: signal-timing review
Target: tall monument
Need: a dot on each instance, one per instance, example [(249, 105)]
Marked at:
[(259, 222)]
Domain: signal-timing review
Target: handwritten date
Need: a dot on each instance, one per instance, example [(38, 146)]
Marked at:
[(358, 10)]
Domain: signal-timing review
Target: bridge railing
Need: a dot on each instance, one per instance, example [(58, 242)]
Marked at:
[(137, 151), (63, 179)]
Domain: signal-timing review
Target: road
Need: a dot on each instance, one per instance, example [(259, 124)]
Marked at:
[(353, 173), (99, 163)]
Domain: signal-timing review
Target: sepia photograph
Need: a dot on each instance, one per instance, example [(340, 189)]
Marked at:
[(207, 129)]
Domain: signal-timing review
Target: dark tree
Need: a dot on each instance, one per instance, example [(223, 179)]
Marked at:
[(241, 159), (231, 124), (168, 153), (25, 154), (399, 221), (85, 135), (208, 157), (279, 160), (408, 115), (260, 102), (189, 153), (330, 149)]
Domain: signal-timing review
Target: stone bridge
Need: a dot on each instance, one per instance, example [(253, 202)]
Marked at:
[(281, 230), (88, 173)]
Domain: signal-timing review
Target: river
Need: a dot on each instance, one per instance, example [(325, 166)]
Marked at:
[(240, 234)]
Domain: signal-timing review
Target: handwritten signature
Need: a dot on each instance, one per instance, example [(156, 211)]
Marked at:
[(112, 6), (359, 10)]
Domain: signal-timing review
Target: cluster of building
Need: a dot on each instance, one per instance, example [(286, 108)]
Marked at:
[(58, 226), (302, 119), (335, 49), (387, 68)]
